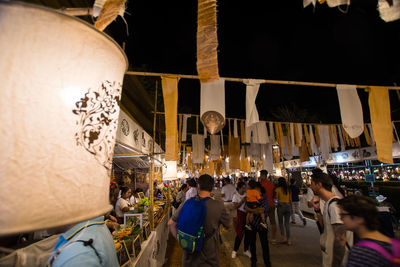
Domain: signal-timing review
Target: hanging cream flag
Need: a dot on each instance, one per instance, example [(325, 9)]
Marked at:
[(261, 136), (184, 127), (313, 144), (61, 89), (212, 105), (252, 87), (379, 106), (342, 142), (235, 128), (271, 132), (335, 3), (325, 145), (350, 110), (215, 150), (371, 132), (389, 12), (306, 3), (197, 148), (267, 158), (207, 41), (170, 94)]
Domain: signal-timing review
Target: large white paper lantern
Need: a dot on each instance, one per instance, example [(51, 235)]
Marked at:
[(61, 83)]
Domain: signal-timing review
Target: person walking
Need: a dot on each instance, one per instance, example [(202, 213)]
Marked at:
[(227, 192), (239, 201), (284, 206), (360, 215), (295, 191), (269, 187), (262, 232), (216, 215), (333, 237)]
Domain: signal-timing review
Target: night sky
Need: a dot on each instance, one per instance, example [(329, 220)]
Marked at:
[(269, 40)]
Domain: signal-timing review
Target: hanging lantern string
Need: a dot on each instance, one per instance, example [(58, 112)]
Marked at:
[(242, 80)]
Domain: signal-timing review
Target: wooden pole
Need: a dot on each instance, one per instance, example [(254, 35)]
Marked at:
[(140, 73), (151, 178)]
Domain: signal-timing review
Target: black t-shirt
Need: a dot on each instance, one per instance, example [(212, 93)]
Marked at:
[(295, 193)]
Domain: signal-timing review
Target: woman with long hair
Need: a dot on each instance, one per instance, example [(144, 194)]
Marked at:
[(283, 196)]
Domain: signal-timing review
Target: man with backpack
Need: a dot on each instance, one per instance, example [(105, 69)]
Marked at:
[(333, 236), (196, 225)]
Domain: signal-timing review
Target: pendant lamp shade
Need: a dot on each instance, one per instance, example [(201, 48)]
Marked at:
[(61, 85)]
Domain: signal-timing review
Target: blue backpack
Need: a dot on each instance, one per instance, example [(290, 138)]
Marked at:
[(191, 224)]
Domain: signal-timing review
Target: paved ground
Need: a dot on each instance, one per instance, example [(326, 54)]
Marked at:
[(304, 251)]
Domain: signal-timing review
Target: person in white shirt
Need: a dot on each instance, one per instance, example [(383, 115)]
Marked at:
[(134, 199), (192, 192), (123, 203), (239, 200), (333, 237), (227, 191)]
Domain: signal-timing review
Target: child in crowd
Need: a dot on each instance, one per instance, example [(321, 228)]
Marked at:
[(253, 195)]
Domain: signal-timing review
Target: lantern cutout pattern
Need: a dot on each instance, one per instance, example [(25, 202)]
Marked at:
[(61, 86)]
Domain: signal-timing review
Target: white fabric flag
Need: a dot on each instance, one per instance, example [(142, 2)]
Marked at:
[(184, 159), (249, 133), (184, 127), (371, 133), (335, 141), (299, 131), (222, 139), (292, 144), (342, 144), (271, 132), (389, 13), (350, 110), (215, 151), (335, 3), (259, 133), (198, 148), (285, 150), (306, 3), (235, 128), (325, 144), (267, 159), (252, 87), (255, 151), (313, 145), (395, 131)]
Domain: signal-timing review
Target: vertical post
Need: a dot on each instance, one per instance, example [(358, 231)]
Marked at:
[(151, 178)]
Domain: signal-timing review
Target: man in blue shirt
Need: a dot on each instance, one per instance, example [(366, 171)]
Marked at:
[(88, 243)]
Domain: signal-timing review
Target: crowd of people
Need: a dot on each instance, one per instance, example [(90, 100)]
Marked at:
[(351, 232)]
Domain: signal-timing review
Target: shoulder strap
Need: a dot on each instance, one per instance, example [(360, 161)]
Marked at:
[(334, 199), (395, 248), (376, 247), (205, 199)]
